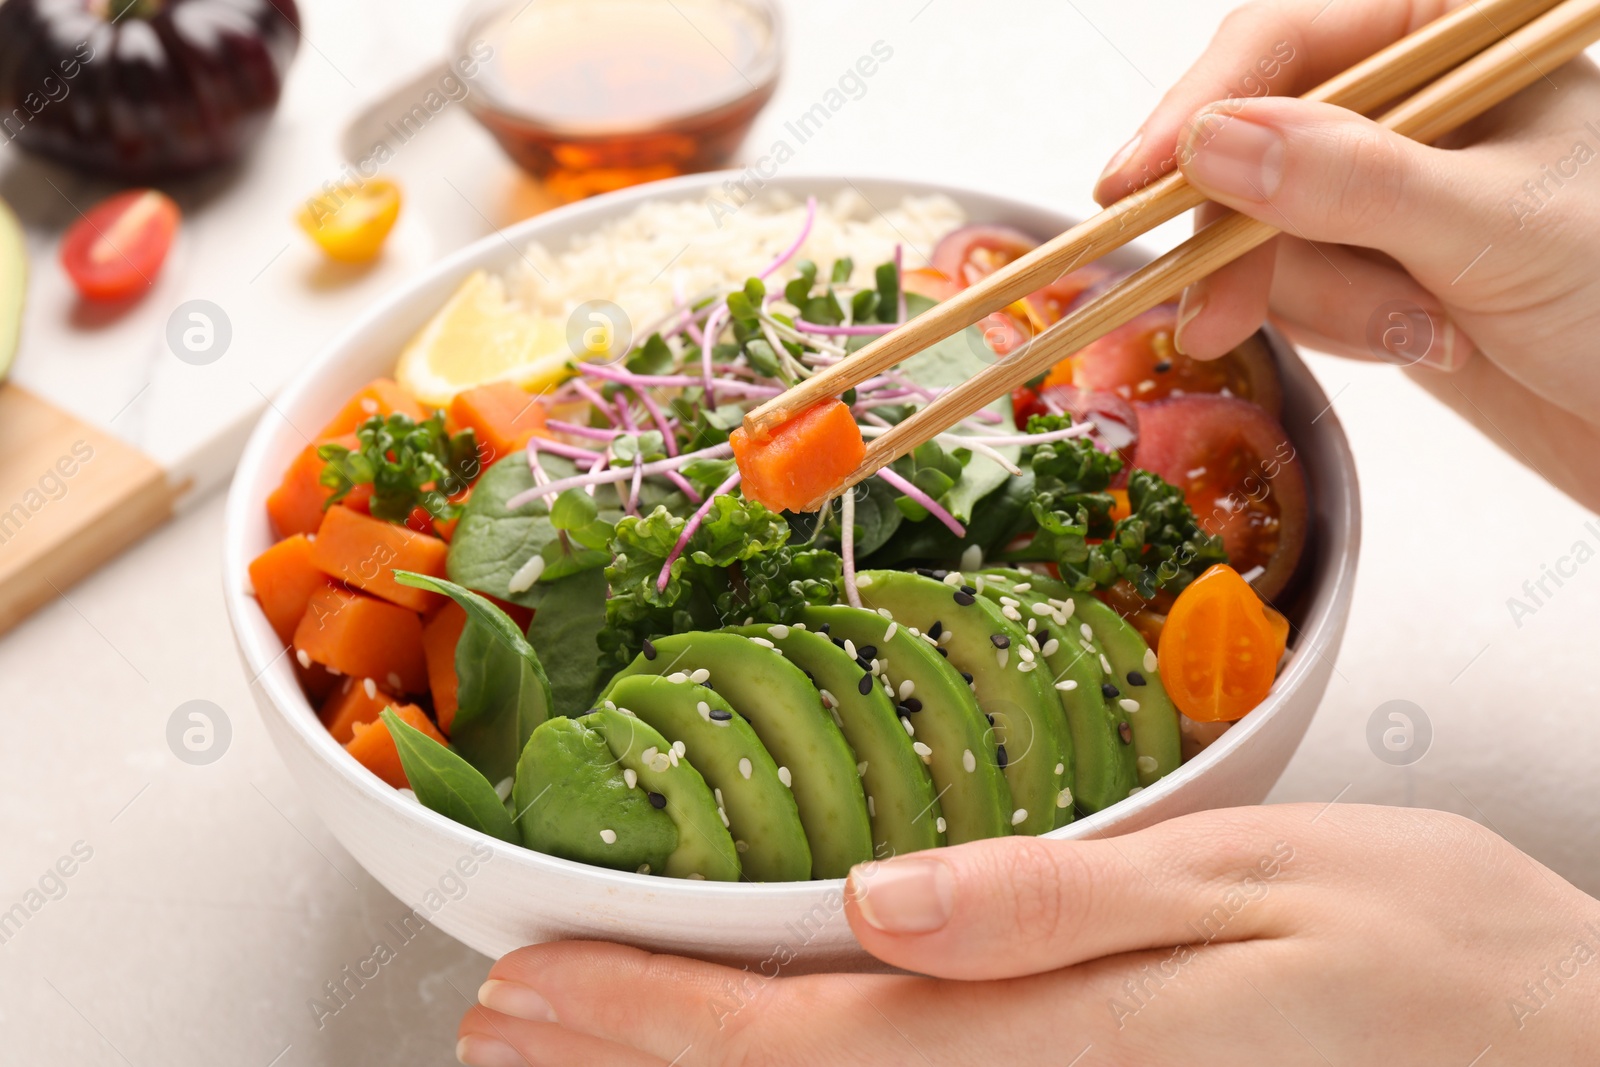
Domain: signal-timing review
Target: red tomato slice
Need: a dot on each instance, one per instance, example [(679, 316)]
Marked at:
[(1138, 362), (1240, 473), (972, 252), (116, 250)]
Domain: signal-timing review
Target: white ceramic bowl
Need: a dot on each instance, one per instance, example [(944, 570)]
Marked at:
[(517, 896)]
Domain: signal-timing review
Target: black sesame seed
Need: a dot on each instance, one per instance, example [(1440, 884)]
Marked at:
[(969, 589), (986, 715), (938, 576), (706, 684), (1109, 691), (964, 598), (864, 663), (1000, 756), (810, 677), (1135, 678), (912, 704), (926, 572), (837, 642), (657, 800), (864, 687), (649, 649), (867, 652), (966, 677), (1000, 640), (721, 715), (1163, 366), (1125, 732), (825, 629), (945, 652), (936, 629)]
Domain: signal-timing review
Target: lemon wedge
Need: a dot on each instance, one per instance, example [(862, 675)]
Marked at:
[(479, 337)]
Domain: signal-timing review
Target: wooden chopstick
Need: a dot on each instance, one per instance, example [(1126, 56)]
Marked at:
[(1390, 73), (1492, 76)]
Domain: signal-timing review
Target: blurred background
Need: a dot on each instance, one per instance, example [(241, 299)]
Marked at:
[(207, 906)]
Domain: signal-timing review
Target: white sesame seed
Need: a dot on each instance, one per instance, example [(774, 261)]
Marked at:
[(608, 836), (369, 687), (1010, 602), (1128, 705), (718, 794), (1146, 764), (305, 660), (1086, 631), (662, 761), (724, 815), (886, 613), (939, 824), (630, 776), (953, 578), (969, 761), (888, 635), (763, 642), (1135, 789), (850, 648), (678, 677), (978, 583), (1011, 613), (785, 777), (911, 731), (1051, 647), (1025, 666), (745, 768), (907, 688), (407, 794), (1026, 654), (701, 675), (704, 709), (1149, 661), (1023, 587), (837, 721), (526, 575), (863, 580), (1042, 609), (741, 846), (1061, 768), (779, 631), (629, 712), (1019, 816), (972, 558), (672, 756), (872, 809), (861, 769), (697, 877), (1067, 686), (1064, 799), (1067, 608), (1105, 664), (337, 673), (644, 868), (1002, 656), (680, 748), (502, 789), (1033, 626), (649, 754), (828, 699)]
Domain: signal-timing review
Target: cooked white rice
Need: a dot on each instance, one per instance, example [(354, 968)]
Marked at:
[(640, 260)]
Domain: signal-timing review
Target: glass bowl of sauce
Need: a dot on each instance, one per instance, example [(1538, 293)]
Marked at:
[(593, 95)]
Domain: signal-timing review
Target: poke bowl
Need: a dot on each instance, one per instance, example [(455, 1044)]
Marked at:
[(507, 827)]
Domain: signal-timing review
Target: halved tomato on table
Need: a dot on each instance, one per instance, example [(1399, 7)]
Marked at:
[(117, 248), (1240, 473)]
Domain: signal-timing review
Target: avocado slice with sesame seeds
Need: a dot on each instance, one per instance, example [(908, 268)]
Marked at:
[(904, 810), (762, 816), (1103, 759), (671, 784), (570, 799), (973, 797), (785, 709), (1029, 727), (1140, 696)]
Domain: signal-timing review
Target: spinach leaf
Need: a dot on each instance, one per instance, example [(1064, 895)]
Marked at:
[(997, 520), (447, 783), (503, 690), (877, 517), (568, 616)]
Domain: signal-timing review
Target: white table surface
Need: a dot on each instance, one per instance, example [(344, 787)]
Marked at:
[(215, 906)]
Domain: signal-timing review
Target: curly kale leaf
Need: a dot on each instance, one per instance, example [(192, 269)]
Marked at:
[(737, 565), (409, 464), (1161, 545)]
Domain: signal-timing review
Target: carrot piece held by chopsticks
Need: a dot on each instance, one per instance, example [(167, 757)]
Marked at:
[(802, 459)]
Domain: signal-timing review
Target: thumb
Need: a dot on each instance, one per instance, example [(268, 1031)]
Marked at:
[(1322, 173), (1015, 906)]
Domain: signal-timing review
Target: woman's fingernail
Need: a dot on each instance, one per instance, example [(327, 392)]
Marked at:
[(905, 896), (1123, 154), (1452, 351), (476, 1050), (1190, 306), (516, 1000), (1235, 157)]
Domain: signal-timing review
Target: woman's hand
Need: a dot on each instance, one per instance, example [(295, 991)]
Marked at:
[(1295, 934), (1481, 258)]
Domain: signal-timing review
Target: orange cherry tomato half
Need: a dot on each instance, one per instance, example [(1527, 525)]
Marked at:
[(1220, 647), (117, 248)]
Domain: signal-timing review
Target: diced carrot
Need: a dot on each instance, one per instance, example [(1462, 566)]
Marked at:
[(364, 552), (284, 578), (371, 744), (1120, 508), (354, 700), (361, 636), (381, 396), (446, 528), (804, 458), (439, 638), (502, 415), (295, 507)]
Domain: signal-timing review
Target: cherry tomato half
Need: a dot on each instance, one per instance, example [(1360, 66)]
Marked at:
[(1220, 647), (352, 225), (117, 248)]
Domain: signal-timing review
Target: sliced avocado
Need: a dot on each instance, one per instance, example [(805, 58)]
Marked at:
[(904, 809), (1103, 762), (762, 816), (1157, 744), (671, 784), (972, 791), (1028, 724), (13, 285), (785, 709), (570, 800)]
